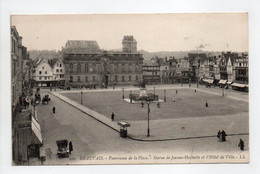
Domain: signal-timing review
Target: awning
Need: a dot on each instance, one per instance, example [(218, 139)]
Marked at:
[(239, 85), (223, 82), (229, 83), (208, 80), (36, 128)]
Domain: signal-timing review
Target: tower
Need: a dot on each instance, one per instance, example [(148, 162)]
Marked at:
[(129, 44)]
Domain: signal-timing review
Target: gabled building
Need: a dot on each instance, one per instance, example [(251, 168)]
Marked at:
[(58, 69), (43, 73)]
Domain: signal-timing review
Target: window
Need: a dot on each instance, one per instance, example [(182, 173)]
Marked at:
[(136, 78), (129, 78), (45, 78), (71, 67), (123, 78), (43, 67), (78, 78), (71, 79), (60, 70), (40, 78), (94, 78), (116, 78), (78, 68), (57, 70), (60, 76), (86, 78), (40, 72), (45, 72), (86, 67), (60, 65), (49, 78)]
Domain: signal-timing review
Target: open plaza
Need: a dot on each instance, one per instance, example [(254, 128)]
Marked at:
[(182, 128)]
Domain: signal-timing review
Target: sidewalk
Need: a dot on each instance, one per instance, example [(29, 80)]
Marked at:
[(170, 128)]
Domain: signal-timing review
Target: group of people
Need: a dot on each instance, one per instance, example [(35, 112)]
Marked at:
[(222, 137)]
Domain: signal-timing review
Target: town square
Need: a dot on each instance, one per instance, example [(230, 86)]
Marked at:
[(104, 99)]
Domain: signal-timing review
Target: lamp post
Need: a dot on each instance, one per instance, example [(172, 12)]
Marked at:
[(148, 129), (81, 97), (223, 91), (130, 96), (123, 93), (153, 91), (164, 95)]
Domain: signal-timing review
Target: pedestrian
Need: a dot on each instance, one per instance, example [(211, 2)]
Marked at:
[(176, 91), (241, 144), (142, 104), (195, 90), (219, 136), (70, 147), (173, 99), (207, 105), (223, 133), (158, 105), (112, 116), (53, 110), (189, 85)]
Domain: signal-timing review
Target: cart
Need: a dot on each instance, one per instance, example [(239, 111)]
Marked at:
[(62, 150), (123, 128)]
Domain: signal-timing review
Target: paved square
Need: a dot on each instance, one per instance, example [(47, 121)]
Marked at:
[(187, 104)]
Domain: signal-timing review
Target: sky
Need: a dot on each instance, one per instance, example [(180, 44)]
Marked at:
[(153, 32)]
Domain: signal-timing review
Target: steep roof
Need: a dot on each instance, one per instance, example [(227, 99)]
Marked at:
[(81, 45)]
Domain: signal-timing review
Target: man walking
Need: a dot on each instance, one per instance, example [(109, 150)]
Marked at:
[(158, 105), (176, 91), (112, 116), (53, 110), (207, 105), (241, 144)]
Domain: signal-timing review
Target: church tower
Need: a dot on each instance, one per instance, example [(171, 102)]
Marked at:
[(129, 44)]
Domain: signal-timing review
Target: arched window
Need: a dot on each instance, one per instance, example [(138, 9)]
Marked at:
[(86, 67), (71, 67), (123, 67), (78, 68)]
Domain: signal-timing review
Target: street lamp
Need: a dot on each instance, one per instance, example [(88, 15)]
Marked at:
[(123, 94), (153, 91), (223, 91), (164, 95), (81, 97), (148, 129), (130, 96)]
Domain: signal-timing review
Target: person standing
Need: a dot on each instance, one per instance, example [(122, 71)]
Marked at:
[(70, 147), (176, 92), (158, 105), (142, 104), (195, 90), (223, 133), (207, 105), (241, 144), (112, 116), (53, 110), (219, 136)]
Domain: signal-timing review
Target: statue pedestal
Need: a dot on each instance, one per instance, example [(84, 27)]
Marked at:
[(143, 92)]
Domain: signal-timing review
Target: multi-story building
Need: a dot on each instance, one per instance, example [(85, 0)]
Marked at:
[(241, 69), (185, 70), (129, 44), (172, 69), (58, 70), (85, 63), (17, 66), (151, 73), (43, 73), (196, 71), (164, 72)]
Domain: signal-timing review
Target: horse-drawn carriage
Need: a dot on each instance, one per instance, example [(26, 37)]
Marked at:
[(46, 99), (62, 150)]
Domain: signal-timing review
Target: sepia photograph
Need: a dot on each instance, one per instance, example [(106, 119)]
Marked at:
[(89, 89)]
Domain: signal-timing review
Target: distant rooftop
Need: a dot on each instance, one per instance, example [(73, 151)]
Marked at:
[(129, 38), (81, 46)]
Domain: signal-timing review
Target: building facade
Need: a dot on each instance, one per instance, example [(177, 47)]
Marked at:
[(86, 64), (151, 73), (43, 73)]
